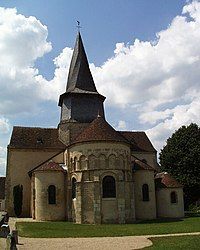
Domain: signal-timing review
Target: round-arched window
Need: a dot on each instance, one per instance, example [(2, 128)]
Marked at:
[(173, 197), (145, 192), (109, 187), (73, 188), (52, 194)]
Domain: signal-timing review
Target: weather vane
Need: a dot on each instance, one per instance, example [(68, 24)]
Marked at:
[(78, 25)]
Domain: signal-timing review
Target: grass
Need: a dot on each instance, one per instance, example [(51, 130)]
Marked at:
[(68, 229), (191, 242)]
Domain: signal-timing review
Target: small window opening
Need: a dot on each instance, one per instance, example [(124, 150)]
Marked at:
[(52, 194), (173, 197), (73, 188), (145, 192), (109, 187)]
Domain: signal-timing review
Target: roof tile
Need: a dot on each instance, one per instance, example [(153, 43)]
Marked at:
[(165, 180), (37, 138), (51, 165), (100, 130), (139, 141)]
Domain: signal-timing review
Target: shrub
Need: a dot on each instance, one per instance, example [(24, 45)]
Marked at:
[(18, 199)]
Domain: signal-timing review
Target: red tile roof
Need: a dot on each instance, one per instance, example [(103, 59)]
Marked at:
[(139, 141), (37, 138), (52, 166), (165, 180), (2, 187), (100, 130)]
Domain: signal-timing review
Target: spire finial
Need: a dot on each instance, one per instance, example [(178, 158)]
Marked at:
[(78, 25)]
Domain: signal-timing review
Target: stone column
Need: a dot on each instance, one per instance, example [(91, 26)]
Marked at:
[(78, 209), (97, 200)]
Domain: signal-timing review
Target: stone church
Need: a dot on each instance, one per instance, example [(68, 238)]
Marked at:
[(84, 170)]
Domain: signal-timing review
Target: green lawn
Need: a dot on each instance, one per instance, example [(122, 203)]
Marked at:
[(176, 242), (67, 229)]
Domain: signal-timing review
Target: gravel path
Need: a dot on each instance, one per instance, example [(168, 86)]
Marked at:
[(100, 243)]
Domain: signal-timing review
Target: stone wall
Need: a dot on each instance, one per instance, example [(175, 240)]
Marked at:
[(44, 210), (68, 131), (144, 209), (89, 163), (149, 157), (164, 206), (19, 163), (2, 205)]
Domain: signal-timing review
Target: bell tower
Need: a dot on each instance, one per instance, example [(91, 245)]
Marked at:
[(81, 103)]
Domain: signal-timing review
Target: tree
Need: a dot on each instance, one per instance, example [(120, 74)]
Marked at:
[(181, 158), (18, 199)]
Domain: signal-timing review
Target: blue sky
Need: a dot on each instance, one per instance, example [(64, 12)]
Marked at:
[(104, 23), (143, 54)]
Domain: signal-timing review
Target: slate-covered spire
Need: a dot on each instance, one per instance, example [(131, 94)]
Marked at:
[(81, 102), (80, 78)]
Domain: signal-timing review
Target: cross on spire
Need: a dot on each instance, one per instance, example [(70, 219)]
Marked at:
[(78, 25)]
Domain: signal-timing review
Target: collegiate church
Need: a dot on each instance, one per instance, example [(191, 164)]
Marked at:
[(84, 170)]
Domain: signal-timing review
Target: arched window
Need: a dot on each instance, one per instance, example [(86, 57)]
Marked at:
[(52, 194), (173, 197), (73, 188), (145, 192), (75, 164), (109, 188)]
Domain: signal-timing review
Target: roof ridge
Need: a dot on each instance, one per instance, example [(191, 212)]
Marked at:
[(33, 127), (144, 162), (149, 167), (33, 169)]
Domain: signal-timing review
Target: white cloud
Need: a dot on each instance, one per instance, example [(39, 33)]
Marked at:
[(2, 166), (2, 151), (151, 74), (2, 161), (50, 90), (121, 125), (4, 126), (177, 117), (22, 41)]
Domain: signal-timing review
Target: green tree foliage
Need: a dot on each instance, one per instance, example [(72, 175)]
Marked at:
[(181, 158), (18, 199)]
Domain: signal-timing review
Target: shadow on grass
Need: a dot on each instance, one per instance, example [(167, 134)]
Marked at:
[(159, 220)]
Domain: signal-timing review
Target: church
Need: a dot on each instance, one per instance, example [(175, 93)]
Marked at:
[(84, 170)]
